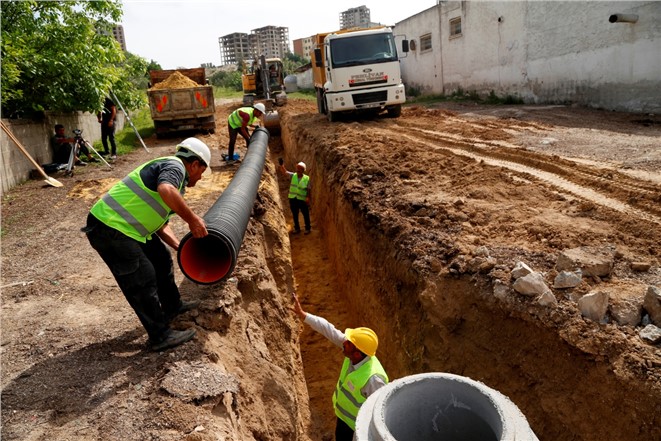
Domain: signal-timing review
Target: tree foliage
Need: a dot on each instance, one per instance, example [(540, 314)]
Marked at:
[(229, 80), (61, 56)]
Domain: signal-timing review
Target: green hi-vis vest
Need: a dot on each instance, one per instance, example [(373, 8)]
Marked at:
[(299, 189), (347, 398), (133, 209), (235, 120)]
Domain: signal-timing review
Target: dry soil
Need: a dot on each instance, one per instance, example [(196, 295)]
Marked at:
[(417, 224)]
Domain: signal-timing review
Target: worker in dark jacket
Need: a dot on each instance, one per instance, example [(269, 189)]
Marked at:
[(238, 123), (361, 374), (107, 120), (129, 229)]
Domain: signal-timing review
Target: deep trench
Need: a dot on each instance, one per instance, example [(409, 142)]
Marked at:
[(350, 273)]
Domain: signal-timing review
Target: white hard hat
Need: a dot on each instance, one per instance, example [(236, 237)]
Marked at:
[(260, 107), (194, 147), (301, 164)]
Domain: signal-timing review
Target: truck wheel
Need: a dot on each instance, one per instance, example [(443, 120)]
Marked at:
[(332, 116), (395, 111)]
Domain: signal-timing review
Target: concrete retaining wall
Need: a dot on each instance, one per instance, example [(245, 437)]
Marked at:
[(35, 137)]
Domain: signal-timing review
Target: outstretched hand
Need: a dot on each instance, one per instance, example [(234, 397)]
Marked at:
[(297, 307)]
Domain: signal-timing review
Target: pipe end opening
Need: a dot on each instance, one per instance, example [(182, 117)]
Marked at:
[(207, 260)]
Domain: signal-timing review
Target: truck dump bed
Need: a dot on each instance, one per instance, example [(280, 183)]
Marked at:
[(181, 100)]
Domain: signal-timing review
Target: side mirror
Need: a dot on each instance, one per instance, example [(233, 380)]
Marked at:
[(405, 46)]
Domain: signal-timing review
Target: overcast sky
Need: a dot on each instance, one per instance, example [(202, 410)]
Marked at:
[(185, 33)]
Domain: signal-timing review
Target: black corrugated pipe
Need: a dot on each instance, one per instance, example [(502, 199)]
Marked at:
[(212, 259)]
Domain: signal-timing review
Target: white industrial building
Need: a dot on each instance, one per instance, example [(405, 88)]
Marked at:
[(600, 54)]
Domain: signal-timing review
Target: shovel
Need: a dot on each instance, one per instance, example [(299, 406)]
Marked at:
[(50, 181)]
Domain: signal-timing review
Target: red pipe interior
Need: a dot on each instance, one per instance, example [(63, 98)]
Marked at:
[(205, 260)]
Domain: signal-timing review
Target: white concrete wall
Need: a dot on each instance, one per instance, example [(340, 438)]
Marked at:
[(35, 137), (542, 52)]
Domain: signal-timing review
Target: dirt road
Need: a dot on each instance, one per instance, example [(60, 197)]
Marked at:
[(417, 224)]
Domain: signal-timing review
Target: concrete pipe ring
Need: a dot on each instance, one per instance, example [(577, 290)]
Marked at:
[(434, 406)]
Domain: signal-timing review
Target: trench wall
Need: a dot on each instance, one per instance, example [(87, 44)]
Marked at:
[(454, 324)]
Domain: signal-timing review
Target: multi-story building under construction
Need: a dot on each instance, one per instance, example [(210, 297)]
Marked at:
[(270, 41), (235, 48), (355, 18)]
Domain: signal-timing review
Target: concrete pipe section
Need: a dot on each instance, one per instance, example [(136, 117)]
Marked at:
[(212, 259), (439, 406)]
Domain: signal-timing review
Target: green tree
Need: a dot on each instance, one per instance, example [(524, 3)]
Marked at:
[(229, 80), (153, 65), (61, 56), (291, 62), (130, 88)]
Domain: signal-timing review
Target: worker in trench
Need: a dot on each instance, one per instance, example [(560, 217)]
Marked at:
[(361, 374), (299, 195), (238, 123), (129, 229)]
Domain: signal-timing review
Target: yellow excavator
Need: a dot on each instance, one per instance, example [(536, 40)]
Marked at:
[(263, 81)]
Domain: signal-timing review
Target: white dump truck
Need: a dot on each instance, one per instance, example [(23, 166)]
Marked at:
[(358, 70)]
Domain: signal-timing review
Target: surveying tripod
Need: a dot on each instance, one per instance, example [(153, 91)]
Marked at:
[(79, 142)]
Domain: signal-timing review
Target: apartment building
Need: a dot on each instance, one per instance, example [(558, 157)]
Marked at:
[(355, 18), (270, 41)]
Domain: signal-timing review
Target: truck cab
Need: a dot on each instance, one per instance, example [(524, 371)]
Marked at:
[(358, 70)]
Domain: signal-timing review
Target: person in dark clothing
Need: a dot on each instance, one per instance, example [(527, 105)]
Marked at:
[(129, 228), (62, 147), (107, 120)]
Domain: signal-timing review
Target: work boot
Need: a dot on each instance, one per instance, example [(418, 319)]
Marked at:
[(173, 338), (185, 306)]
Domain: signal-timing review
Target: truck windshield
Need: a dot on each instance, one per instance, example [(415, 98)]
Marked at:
[(363, 49)]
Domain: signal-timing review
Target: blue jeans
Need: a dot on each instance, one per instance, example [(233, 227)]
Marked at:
[(144, 273)]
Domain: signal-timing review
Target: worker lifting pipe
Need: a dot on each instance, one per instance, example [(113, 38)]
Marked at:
[(212, 259)]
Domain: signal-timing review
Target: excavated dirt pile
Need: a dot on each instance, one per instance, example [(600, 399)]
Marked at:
[(518, 246)]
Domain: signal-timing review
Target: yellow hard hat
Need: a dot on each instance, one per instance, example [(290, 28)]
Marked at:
[(364, 339)]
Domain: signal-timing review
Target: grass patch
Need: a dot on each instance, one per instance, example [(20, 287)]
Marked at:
[(226, 92), (461, 95)]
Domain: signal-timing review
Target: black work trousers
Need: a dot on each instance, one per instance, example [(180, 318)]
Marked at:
[(108, 134), (144, 273), (342, 431), (297, 206), (232, 134)]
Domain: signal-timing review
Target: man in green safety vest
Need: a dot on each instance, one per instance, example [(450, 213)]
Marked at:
[(129, 229), (238, 123), (299, 196), (361, 374)]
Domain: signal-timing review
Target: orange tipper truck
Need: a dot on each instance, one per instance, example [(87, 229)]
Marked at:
[(357, 70), (180, 100)]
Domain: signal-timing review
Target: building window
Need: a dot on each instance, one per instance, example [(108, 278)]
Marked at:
[(455, 27), (425, 43)]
